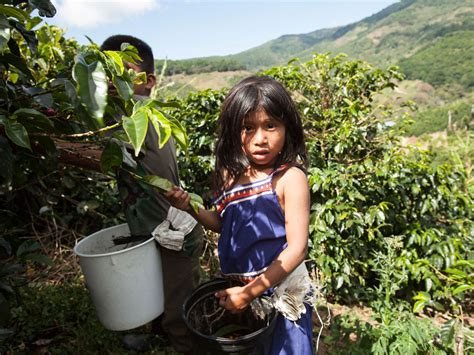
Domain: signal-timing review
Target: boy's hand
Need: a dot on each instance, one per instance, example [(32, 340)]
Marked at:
[(179, 199), (234, 299)]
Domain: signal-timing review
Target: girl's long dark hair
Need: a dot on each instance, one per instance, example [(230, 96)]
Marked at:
[(246, 97)]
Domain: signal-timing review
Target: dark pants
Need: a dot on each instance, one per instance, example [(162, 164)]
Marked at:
[(180, 277)]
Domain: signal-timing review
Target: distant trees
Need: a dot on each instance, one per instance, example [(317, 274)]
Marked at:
[(198, 65), (448, 61)]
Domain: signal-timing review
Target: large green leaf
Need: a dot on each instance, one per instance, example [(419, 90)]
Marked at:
[(136, 128), (4, 31), (13, 12), (129, 53), (171, 104), (111, 157), (161, 125), (163, 185), (40, 95), (17, 133), (179, 133), (34, 117), (28, 35), (115, 61), (124, 88), (92, 87), (45, 7), (196, 202)]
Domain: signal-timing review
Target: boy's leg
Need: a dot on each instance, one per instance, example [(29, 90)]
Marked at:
[(180, 278)]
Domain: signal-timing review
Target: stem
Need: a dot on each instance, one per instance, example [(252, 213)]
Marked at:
[(79, 135)]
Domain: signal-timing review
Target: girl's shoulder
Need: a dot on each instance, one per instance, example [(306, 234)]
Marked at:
[(291, 176), (290, 170)]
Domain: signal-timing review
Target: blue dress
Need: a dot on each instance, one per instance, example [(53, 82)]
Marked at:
[(252, 236)]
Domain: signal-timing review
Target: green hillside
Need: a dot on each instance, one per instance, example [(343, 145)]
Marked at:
[(431, 40), (450, 60)]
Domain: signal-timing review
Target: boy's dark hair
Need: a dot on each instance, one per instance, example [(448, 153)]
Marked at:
[(113, 43), (248, 96)]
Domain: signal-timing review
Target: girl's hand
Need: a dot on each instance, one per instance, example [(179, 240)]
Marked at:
[(179, 199), (234, 299)]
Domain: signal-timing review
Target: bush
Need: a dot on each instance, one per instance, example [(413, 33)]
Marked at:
[(366, 188)]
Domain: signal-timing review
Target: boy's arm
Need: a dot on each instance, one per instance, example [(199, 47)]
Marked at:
[(209, 219), (297, 207)]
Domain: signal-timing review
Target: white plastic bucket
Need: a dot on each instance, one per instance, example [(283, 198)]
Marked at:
[(125, 283)]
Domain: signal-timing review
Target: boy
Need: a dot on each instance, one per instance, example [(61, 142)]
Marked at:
[(145, 210)]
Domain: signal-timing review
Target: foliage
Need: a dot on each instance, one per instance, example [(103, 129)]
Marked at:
[(54, 93), (58, 318), (198, 65), (387, 225), (403, 334), (455, 146), (446, 62), (365, 188), (436, 119), (198, 114)]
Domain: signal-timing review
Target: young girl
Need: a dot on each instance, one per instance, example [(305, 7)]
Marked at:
[(262, 208)]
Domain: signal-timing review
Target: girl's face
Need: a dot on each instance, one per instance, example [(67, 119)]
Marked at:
[(263, 138)]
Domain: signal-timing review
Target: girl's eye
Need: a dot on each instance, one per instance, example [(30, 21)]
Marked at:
[(247, 128)]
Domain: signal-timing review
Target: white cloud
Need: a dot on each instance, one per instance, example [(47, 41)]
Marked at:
[(92, 13)]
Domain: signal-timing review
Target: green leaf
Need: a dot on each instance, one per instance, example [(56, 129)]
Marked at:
[(160, 183), (27, 247), (111, 157), (17, 133), (161, 125), (136, 128), (196, 202), (462, 288), (4, 31), (171, 104), (124, 88), (29, 36), (115, 61), (422, 296), (13, 12), (92, 87), (40, 95), (38, 119), (45, 7), (418, 306), (456, 273), (129, 53), (179, 134), (40, 259)]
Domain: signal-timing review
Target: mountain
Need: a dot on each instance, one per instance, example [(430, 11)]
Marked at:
[(398, 31), (431, 40)]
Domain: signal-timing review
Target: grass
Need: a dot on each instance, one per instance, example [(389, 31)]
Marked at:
[(53, 314)]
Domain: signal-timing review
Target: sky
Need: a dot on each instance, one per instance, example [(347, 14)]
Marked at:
[(181, 29)]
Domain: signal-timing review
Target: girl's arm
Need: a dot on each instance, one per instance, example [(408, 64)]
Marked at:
[(296, 200), (180, 199)]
